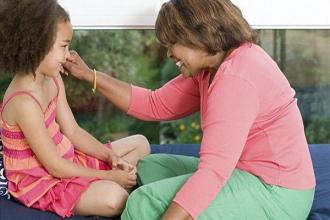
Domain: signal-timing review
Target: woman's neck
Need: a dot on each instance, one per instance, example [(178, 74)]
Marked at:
[(216, 61)]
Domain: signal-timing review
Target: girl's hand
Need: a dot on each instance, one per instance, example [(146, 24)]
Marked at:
[(126, 166), (118, 163), (123, 178), (113, 159), (77, 67)]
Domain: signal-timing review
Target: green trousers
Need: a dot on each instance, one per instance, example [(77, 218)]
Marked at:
[(244, 196)]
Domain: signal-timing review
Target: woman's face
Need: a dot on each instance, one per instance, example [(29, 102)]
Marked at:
[(190, 61), (52, 64)]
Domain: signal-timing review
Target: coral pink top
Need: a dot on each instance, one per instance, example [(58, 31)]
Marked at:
[(250, 121)]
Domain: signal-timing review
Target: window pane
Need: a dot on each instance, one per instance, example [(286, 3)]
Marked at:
[(136, 57), (304, 57)]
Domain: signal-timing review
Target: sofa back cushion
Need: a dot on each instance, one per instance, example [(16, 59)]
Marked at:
[(3, 180)]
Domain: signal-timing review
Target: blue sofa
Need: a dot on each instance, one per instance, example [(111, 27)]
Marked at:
[(10, 210)]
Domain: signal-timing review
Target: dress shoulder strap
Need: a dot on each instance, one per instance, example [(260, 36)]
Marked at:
[(18, 93)]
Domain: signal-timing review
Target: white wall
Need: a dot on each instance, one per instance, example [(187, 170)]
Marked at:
[(112, 14)]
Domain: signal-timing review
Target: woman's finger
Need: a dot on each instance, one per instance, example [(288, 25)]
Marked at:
[(68, 65), (73, 56), (73, 53)]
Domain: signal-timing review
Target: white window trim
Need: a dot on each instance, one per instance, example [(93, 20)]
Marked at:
[(141, 14)]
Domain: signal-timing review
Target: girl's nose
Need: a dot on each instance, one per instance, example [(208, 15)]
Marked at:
[(67, 53)]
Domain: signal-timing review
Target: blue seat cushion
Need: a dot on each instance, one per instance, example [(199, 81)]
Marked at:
[(321, 163), (320, 210), (3, 181)]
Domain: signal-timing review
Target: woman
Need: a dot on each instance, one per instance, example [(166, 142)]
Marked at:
[(254, 159)]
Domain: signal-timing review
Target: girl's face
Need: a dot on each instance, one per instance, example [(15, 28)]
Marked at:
[(192, 61), (52, 65)]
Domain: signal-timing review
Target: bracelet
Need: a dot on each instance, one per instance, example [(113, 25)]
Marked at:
[(94, 83)]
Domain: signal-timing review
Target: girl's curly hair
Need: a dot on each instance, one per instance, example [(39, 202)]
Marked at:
[(27, 33)]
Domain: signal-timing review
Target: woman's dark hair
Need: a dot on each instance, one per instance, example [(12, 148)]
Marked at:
[(27, 33), (210, 25)]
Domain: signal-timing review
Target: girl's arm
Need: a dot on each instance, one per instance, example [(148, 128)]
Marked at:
[(81, 139), (29, 117)]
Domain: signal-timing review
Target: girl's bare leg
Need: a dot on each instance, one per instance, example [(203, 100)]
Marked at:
[(132, 148), (102, 198)]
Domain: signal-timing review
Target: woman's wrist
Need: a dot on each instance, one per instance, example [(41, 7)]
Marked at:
[(175, 211), (89, 75)]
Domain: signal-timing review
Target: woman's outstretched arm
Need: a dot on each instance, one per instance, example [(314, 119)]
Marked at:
[(116, 91), (176, 99)]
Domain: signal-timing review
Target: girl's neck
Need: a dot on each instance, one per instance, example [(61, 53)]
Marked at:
[(30, 82), (30, 79)]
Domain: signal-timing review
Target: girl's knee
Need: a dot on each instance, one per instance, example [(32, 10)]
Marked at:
[(143, 144), (115, 203)]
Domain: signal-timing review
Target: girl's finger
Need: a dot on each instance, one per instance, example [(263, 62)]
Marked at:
[(114, 160), (132, 177), (131, 184)]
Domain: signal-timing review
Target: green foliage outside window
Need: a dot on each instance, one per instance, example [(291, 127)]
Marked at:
[(188, 130), (135, 57)]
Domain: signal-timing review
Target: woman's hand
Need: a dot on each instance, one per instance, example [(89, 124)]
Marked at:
[(176, 212), (78, 68)]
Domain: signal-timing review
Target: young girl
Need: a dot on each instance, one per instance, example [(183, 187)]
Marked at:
[(51, 163)]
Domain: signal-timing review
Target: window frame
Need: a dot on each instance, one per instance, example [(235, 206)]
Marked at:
[(141, 14)]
